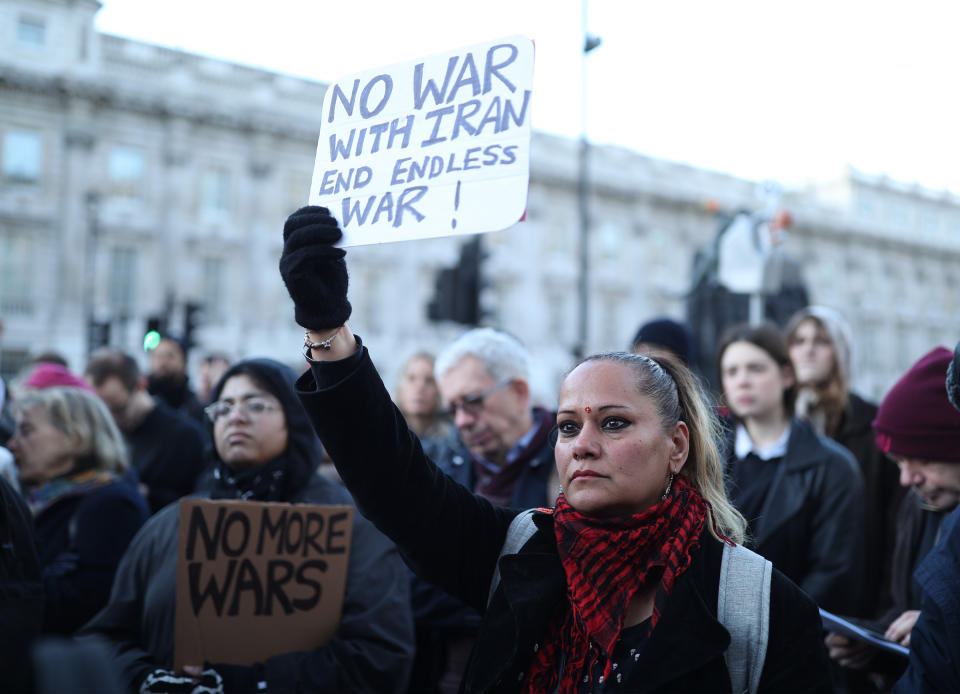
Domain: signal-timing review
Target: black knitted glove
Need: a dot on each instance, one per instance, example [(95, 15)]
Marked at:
[(314, 270), (953, 378), (240, 679), (163, 681)]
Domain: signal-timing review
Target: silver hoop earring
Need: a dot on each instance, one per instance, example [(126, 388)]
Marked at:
[(666, 492)]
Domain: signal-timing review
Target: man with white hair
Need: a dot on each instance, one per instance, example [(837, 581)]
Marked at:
[(504, 450)]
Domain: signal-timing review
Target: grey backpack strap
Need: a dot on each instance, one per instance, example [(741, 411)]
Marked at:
[(521, 529), (743, 607)]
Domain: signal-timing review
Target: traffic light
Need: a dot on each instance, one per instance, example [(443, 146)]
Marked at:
[(156, 326), (192, 318), (442, 306), (457, 291)]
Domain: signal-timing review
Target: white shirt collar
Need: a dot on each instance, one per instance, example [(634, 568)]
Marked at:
[(743, 445)]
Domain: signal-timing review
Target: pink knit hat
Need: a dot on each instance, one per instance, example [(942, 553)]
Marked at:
[(916, 419), (48, 375)]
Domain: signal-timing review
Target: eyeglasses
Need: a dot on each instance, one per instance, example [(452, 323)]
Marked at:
[(252, 407), (473, 404)]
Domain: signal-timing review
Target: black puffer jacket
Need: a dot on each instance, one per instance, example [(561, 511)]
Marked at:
[(453, 538), (373, 649)]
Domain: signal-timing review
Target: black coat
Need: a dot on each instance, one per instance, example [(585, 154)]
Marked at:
[(882, 492), (21, 591), (453, 538), (373, 647), (443, 622), (81, 540), (167, 448), (371, 652), (935, 638), (531, 488), (811, 525)]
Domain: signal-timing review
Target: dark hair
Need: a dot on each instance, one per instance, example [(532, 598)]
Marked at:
[(112, 363), (678, 396), (768, 338), (50, 357), (212, 357)]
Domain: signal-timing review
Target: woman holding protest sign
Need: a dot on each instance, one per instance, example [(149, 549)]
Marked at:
[(617, 589), (264, 450)]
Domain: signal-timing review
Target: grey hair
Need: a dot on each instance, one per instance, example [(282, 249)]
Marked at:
[(85, 421), (501, 354), (679, 397)]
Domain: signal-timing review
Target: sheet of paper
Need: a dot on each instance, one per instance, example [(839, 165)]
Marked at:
[(433, 147), (845, 627)]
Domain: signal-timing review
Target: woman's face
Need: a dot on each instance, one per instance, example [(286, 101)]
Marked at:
[(39, 448), (753, 383), (613, 456), (811, 352), (251, 430), (418, 394)]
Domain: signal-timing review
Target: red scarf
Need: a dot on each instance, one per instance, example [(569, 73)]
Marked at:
[(607, 560)]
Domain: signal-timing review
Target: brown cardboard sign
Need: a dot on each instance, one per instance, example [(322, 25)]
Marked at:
[(257, 579)]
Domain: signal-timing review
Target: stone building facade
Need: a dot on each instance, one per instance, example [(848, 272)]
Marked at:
[(135, 179)]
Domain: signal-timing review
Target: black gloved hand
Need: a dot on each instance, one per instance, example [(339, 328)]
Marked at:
[(240, 679), (314, 270), (163, 681), (953, 378)]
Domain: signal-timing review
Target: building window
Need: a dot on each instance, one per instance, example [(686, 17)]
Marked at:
[(15, 273), (31, 31), (897, 214), (22, 155), (610, 244), (123, 281), (125, 168), (215, 191), (214, 294), (929, 222)]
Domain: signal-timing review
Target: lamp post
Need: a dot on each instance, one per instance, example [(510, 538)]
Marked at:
[(590, 42), (92, 208)]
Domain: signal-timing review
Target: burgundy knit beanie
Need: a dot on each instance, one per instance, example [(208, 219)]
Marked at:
[(916, 419)]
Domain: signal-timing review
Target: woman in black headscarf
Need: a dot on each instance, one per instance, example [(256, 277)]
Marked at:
[(264, 450)]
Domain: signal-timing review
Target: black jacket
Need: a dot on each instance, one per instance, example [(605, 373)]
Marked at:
[(935, 639), (167, 448), (811, 525), (453, 538), (373, 648), (81, 540), (442, 622), (531, 488), (371, 652), (21, 591), (882, 493)]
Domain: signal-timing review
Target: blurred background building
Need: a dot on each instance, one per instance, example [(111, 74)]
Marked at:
[(142, 186)]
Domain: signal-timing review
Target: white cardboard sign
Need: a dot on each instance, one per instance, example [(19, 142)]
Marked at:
[(433, 147)]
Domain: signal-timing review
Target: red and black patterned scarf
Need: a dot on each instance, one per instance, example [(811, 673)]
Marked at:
[(607, 560)]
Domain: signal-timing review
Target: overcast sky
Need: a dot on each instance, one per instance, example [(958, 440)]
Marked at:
[(779, 90)]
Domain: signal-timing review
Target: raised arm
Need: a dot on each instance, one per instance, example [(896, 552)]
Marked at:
[(449, 536)]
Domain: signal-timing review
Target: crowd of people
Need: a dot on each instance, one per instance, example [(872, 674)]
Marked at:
[(640, 534)]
